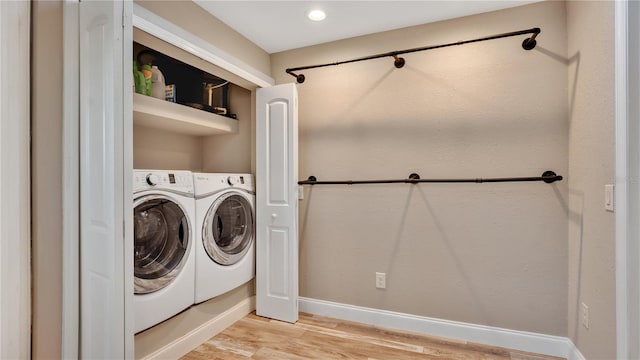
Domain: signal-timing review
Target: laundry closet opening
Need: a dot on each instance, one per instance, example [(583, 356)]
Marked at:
[(203, 126)]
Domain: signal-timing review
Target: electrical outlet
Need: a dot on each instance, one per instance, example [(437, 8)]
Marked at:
[(381, 280), (585, 315)]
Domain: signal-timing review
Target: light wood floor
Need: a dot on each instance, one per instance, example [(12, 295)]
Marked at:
[(317, 337)]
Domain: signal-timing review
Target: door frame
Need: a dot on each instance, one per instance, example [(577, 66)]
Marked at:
[(15, 181), (627, 174), (73, 258)]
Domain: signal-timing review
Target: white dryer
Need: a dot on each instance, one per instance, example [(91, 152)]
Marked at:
[(225, 233), (164, 254)]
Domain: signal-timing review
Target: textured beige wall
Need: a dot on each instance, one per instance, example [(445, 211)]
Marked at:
[(160, 149), (196, 20), (590, 27), (46, 180), (231, 153), (492, 254)]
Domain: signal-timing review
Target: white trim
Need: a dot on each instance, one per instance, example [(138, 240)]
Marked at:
[(620, 194), (204, 332), (153, 24), (127, 189), (15, 210), (488, 335), (574, 353), (626, 177), (71, 184)]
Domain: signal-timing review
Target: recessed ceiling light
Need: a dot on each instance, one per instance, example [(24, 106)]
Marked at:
[(316, 15)]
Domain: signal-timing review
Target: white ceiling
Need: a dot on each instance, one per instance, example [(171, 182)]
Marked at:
[(282, 25)]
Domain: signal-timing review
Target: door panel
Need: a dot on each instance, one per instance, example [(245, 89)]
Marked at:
[(277, 153), (277, 246), (103, 289), (276, 203)]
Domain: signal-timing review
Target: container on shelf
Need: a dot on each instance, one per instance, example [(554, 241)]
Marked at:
[(146, 71), (138, 80), (157, 83)]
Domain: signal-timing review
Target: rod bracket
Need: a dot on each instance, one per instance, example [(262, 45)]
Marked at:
[(530, 43), (398, 61), (414, 176), (550, 177), (312, 178), (299, 77)]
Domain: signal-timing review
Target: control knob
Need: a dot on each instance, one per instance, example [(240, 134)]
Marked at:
[(232, 180), (152, 179)]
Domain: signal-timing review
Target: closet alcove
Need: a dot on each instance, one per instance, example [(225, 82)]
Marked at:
[(174, 136)]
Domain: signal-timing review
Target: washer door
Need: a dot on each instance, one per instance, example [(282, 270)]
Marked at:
[(227, 231), (161, 242)]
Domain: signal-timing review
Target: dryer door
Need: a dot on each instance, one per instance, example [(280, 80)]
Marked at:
[(227, 231), (161, 242)]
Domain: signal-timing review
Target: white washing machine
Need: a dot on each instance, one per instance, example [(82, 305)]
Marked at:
[(225, 233), (164, 253)]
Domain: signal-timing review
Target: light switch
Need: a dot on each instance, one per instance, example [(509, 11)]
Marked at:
[(608, 197)]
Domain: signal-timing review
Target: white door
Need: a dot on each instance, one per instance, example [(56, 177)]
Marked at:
[(105, 179), (277, 202)]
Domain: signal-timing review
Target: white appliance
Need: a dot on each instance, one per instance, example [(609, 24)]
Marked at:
[(164, 253), (225, 233)]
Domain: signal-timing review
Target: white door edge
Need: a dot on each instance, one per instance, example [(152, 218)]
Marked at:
[(127, 190), (15, 181), (71, 185), (627, 173)]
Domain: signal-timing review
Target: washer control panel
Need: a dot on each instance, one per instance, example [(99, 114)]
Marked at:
[(179, 181)]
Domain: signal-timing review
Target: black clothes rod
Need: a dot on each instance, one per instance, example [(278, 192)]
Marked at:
[(528, 44), (548, 177)]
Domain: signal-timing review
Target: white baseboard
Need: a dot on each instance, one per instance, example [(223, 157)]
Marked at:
[(574, 353), (494, 336), (194, 338)]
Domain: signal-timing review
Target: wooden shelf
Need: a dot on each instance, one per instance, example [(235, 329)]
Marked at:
[(151, 112)]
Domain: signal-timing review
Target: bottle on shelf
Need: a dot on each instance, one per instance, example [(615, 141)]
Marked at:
[(138, 80), (157, 83), (146, 71)]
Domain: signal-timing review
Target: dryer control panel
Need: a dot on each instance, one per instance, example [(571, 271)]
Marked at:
[(206, 183), (177, 181)]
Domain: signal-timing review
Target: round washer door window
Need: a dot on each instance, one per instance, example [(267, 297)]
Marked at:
[(227, 232), (161, 242)]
